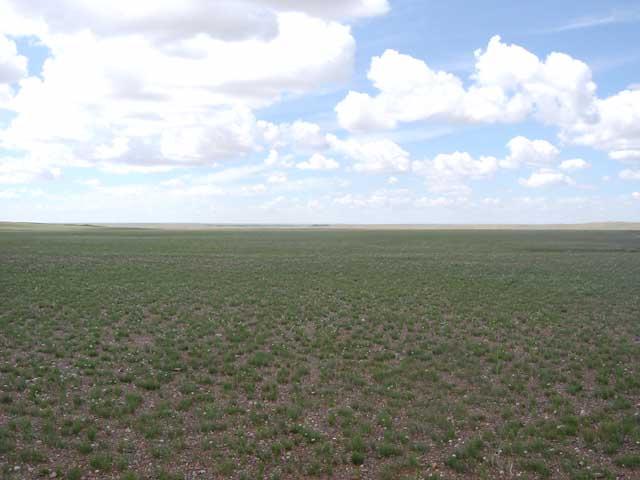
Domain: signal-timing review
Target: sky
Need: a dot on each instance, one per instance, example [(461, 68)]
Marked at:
[(319, 111)]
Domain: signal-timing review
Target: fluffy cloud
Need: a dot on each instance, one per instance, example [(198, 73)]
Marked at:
[(274, 159), (558, 90), (508, 85), (174, 20), (617, 128), (574, 164), (379, 199), (529, 152), (191, 101), (372, 156), (448, 173), (409, 91), (318, 162), (333, 8), (299, 135), (15, 171), (164, 20), (396, 199), (636, 195), (219, 137), (625, 155), (545, 177), (13, 67)]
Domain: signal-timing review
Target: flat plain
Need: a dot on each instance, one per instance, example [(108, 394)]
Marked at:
[(348, 354)]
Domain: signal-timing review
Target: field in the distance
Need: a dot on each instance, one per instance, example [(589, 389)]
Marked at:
[(131, 353)]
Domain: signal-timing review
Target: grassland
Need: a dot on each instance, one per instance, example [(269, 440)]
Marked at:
[(131, 354)]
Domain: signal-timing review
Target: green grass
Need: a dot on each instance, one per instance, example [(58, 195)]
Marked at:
[(319, 354)]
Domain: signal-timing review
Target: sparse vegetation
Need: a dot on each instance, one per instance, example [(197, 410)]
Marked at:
[(318, 354)]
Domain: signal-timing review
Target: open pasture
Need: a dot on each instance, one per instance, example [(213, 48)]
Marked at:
[(276, 354)]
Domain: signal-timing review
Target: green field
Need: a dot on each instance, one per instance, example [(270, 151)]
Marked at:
[(131, 353)]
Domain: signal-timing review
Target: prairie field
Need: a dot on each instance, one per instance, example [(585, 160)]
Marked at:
[(316, 353)]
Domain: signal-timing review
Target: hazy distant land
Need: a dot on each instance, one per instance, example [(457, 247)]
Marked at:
[(605, 226)]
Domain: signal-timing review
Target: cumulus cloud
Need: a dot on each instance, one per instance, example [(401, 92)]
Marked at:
[(334, 8), (275, 159), (219, 137), (189, 102), (299, 135), (165, 20), (449, 173), (318, 162), (372, 156), (574, 164), (636, 195), (545, 177), (509, 84), (625, 155), (617, 128), (172, 20), (384, 198), (529, 152), (13, 67)]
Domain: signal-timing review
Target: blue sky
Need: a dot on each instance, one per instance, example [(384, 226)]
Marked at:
[(355, 111)]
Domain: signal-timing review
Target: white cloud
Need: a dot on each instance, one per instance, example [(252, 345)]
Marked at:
[(392, 180), (270, 204), (574, 164), (227, 136), (165, 20), (277, 178), (91, 182), (372, 156), (625, 155), (449, 173), (275, 159), (13, 67), (126, 169), (464, 165), (428, 202), (409, 91), (491, 201), (630, 174), (188, 103), (318, 162), (529, 152), (545, 177), (636, 195), (334, 8), (508, 85), (379, 199), (299, 135), (616, 128), (15, 171), (232, 174), (396, 199), (174, 20)]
